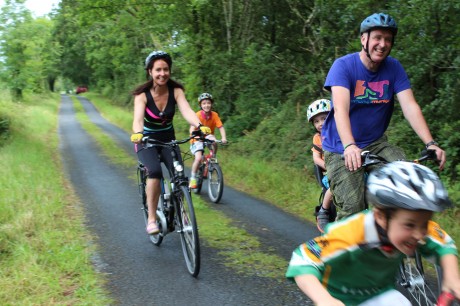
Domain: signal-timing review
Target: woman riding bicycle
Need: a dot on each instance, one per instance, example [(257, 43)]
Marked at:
[(357, 260), (154, 108)]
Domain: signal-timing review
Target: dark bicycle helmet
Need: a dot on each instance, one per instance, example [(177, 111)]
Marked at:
[(205, 96), (154, 55), (379, 21), (407, 185)]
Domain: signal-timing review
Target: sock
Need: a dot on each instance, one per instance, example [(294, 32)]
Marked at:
[(193, 175)]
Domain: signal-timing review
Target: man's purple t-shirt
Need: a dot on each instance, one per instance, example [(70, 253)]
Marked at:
[(371, 99)]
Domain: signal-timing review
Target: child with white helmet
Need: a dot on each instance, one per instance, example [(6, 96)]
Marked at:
[(357, 260), (316, 114), (210, 119)]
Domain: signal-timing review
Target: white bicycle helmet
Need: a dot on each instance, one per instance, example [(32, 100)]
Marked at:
[(205, 96), (158, 54), (407, 185), (318, 107)]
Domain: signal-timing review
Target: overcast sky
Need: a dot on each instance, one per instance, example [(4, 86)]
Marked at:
[(39, 7)]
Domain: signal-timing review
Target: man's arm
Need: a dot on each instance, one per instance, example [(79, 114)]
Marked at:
[(414, 116), (351, 154)]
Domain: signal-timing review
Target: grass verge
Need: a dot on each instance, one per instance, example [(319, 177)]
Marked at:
[(45, 258)]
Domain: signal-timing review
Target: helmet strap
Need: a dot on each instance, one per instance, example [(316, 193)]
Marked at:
[(366, 49), (386, 245)]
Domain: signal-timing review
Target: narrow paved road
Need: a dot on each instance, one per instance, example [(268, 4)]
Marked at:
[(139, 273)]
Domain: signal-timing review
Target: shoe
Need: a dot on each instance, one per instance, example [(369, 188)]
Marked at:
[(192, 183), (322, 220), (152, 228)]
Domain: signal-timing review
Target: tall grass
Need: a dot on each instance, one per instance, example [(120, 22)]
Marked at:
[(45, 257)]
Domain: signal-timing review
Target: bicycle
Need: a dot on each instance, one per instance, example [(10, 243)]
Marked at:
[(319, 175), (412, 279), (211, 170), (175, 210)]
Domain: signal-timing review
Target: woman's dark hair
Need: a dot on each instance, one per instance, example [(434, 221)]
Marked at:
[(149, 84)]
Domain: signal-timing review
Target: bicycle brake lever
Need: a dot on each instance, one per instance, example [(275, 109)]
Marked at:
[(429, 154)]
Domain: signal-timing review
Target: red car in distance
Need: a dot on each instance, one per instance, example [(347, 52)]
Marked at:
[(81, 89)]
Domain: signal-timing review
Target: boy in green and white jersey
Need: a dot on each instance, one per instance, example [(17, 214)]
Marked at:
[(357, 260)]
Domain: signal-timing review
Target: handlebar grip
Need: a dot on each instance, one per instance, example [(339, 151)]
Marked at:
[(445, 299)]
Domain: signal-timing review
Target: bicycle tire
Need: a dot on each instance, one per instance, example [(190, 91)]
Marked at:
[(420, 288), (188, 230), (199, 179), (215, 183)]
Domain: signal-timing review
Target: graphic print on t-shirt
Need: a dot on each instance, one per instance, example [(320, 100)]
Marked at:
[(374, 92)]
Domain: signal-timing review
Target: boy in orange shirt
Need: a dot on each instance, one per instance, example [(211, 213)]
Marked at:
[(210, 119)]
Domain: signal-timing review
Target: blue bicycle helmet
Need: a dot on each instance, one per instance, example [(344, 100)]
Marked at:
[(379, 21), (154, 55)]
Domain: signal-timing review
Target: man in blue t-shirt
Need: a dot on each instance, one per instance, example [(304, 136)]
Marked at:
[(363, 86)]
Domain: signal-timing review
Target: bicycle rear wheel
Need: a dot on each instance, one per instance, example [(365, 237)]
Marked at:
[(420, 288), (215, 182), (188, 230)]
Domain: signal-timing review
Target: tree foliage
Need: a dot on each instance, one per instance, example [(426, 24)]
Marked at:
[(29, 57), (264, 61)]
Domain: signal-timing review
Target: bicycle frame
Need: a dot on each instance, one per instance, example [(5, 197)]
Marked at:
[(175, 209), (411, 275), (209, 168)]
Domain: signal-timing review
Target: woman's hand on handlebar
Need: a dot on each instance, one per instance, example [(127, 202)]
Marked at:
[(352, 157), (136, 137)]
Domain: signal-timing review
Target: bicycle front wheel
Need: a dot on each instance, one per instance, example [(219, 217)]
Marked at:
[(421, 288), (188, 231), (215, 183)]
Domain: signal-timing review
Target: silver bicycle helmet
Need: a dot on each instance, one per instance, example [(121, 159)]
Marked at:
[(407, 185), (205, 96), (154, 55)]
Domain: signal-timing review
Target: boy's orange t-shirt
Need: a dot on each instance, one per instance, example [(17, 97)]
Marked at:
[(211, 120), (317, 142)]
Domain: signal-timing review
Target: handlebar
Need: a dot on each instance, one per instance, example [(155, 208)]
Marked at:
[(209, 141), (172, 143), (369, 158), (446, 299)]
